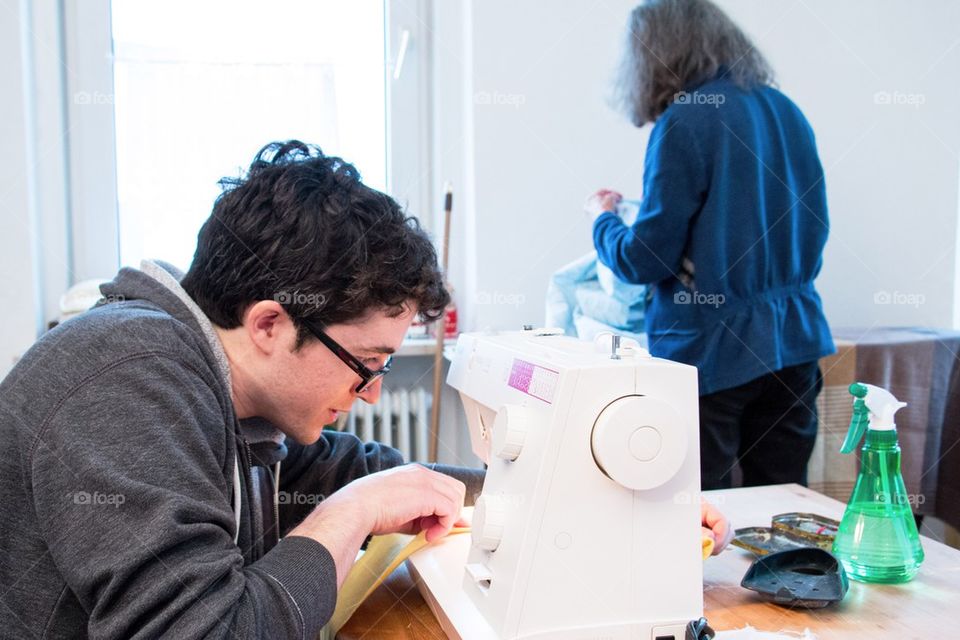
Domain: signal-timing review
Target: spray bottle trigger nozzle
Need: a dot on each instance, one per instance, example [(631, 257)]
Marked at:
[(859, 420), (858, 390)]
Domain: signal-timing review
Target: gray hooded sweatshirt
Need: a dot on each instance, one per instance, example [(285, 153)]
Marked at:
[(118, 488)]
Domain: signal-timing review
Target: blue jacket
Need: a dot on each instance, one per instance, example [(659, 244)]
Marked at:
[(730, 235)]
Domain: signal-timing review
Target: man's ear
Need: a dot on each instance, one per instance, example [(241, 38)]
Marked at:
[(268, 326)]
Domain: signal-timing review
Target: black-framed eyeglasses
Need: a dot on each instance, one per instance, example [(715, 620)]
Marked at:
[(367, 376)]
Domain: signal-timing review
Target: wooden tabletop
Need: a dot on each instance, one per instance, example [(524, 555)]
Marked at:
[(922, 608)]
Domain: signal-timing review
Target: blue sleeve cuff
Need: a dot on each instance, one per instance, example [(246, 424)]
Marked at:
[(604, 221)]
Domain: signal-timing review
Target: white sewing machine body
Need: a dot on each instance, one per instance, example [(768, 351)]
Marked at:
[(588, 525)]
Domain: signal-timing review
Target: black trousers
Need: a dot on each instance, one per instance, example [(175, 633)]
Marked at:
[(768, 426)]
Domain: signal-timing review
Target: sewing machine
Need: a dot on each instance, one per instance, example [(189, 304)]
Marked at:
[(588, 525)]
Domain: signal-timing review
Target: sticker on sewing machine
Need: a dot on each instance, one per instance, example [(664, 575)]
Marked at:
[(533, 380)]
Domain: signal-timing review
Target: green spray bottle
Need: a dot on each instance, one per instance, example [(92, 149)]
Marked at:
[(877, 540)]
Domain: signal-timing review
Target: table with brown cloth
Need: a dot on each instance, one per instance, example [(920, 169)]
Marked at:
[(920, 367)]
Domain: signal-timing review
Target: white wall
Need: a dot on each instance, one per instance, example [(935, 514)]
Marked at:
[(529, 80), (540, 138), (891, 169)]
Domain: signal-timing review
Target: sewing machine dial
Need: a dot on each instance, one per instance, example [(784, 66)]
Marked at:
[(510, 429), (489, 518), (639, 442)]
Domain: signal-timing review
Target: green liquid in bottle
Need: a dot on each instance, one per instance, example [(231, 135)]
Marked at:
[(878, 540), (872, 541)]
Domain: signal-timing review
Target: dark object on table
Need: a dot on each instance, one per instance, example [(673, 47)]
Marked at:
[(699, 630), (809, 577)]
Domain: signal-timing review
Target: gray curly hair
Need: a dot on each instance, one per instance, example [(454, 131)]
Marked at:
[(675, 44)]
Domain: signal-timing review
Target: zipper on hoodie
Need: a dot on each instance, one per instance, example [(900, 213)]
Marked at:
[(255, 553), (274, 509), (273, 500)]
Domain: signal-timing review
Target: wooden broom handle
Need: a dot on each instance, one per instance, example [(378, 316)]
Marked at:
[(441, 333)]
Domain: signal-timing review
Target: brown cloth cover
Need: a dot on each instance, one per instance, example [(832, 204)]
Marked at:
[(920, 367)]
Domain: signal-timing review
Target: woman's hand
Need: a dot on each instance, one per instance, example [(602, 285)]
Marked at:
[(716, 524), (602, 201)]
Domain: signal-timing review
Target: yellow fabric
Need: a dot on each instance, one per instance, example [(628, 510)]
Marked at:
[(383, 555), (707, 545)]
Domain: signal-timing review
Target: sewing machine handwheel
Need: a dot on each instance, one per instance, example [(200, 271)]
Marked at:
[(639, 442)]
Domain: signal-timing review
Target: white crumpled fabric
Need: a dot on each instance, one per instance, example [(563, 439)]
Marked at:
[(749, 633)]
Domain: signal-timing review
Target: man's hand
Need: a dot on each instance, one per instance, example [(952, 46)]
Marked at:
[(409, 499), (716, 525), (406, 499), (601, 201)]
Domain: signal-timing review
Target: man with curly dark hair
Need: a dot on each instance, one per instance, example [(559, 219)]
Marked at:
[(150, 432)]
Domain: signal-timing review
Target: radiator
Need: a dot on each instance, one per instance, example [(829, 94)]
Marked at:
[(400, 419)]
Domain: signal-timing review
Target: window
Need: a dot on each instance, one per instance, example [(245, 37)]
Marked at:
[(165, 98), (200, 87)]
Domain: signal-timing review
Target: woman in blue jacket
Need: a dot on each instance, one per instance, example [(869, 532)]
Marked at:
[(729, 237)]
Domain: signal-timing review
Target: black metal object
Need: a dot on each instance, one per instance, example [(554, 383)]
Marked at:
[(808, 577), (699, 630)]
